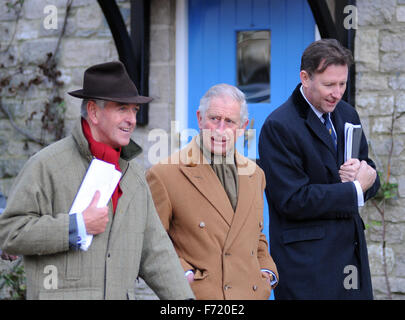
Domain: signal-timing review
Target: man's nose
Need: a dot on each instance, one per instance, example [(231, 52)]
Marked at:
[(338, 92), (221, 126), (132, 117)]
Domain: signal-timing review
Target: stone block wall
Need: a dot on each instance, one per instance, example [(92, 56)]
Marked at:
[(380, 91)]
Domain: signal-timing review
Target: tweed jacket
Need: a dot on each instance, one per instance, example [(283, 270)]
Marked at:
[(225, 249), (35, 225)]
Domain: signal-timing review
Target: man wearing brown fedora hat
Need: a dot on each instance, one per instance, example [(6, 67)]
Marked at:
[(128, 237)]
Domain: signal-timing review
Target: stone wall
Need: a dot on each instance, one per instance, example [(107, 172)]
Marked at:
[(380, 91)]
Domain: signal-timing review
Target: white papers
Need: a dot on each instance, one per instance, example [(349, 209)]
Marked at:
[(101, 176), (352, 140)]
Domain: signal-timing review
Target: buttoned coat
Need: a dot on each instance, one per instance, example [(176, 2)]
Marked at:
[(225, 249), (316, 232), (35, 224)]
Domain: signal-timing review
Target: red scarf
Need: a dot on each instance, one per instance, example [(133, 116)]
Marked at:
[(106, 153)]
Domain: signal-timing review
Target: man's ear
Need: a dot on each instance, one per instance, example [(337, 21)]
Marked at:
[(199, 119), (242, 129), (92, 111), (304, 76), (245, 124)]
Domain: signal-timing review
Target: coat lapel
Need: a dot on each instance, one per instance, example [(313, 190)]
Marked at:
[(320, 131), (207, 183), (338, 122), (246, 195), (197, 170), (311, 120)]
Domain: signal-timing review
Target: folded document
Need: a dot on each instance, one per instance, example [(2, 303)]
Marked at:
[(101, 176), (352, 140)]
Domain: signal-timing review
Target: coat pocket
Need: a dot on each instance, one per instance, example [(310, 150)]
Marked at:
[(303, 234)]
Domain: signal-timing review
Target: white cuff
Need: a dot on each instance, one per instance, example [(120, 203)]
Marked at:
[(81, 228), (188, 272), (360, 196), (275, 280)]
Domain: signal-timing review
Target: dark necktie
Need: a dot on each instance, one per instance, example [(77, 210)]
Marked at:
[(328, 126)]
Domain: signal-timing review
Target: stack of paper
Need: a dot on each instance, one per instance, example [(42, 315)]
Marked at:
[(352, 140), (101, 176)]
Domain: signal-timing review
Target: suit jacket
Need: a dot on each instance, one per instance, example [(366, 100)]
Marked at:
[(225, 249), (315, 226), (36, 221)]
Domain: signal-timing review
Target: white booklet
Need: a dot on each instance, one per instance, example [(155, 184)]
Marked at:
[(352, 140), (101, 176)]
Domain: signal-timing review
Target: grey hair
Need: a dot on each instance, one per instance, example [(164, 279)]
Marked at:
[(100, 103), (224, 89)]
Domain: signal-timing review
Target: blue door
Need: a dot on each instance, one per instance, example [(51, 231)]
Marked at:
[(227, 38)]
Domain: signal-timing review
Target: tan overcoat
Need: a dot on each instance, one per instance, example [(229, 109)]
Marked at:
[(225, 249)]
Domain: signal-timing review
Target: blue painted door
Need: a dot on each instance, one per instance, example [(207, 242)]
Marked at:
[(213, 29)]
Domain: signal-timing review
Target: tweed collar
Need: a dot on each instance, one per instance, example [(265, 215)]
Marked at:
[(128, 152)]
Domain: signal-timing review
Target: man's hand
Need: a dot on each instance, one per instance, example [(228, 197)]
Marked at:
[(95, 219), (349, 170), (366, 176), (268, 277)]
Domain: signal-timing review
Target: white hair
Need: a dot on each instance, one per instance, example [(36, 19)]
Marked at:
[(100, 103), (224, 89)]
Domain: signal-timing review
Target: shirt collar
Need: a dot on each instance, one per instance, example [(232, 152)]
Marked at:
[(317, 112)]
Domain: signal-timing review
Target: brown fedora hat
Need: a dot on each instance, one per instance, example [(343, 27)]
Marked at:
[(109, 81)]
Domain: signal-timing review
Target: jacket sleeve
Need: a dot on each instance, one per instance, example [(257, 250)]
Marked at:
[(290, 187), (160, 266), (29, 226), (163, 205), (263, 255), (364, 156)]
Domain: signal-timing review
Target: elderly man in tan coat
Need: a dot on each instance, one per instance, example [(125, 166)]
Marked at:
[(128, 237), (210, 200)]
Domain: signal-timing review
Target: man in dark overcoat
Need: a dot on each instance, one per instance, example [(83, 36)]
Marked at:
[(316, 232)]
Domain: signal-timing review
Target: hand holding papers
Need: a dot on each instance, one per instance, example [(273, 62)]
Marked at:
[(352, 141), (100, 176)]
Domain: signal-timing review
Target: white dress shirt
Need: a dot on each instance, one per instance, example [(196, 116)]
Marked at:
[(359, 191)]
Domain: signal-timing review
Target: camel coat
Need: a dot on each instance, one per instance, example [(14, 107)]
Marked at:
[(225, 249)]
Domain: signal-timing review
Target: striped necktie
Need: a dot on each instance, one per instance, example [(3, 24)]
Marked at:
[(328, 125)]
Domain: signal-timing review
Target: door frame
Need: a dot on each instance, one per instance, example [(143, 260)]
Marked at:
[(181, 60)]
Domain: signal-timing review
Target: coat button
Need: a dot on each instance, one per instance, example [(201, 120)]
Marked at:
[(202, 224), (254, 288)]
